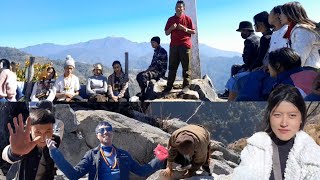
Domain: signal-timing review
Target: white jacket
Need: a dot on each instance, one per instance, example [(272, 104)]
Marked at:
[(307, 44), (256, 159)]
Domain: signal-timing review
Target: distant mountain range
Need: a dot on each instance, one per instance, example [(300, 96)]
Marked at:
[(214, 62)]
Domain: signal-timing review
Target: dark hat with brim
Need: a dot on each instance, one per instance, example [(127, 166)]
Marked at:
[(245, 25)]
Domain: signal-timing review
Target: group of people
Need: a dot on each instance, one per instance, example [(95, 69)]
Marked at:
[(281, 151), (115, 87), (287, 53)]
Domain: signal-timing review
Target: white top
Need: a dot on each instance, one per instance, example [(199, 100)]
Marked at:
[(277, 41), (307, 44), (67, 85)]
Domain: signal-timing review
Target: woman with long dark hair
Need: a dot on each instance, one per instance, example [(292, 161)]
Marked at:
[(43, 89), (302, 34), (118, 84), (283, 150)]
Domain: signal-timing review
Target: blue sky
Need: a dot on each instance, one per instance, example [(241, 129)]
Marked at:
[(25, 23)]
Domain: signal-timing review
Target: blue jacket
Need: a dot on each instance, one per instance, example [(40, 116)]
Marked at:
[(90, 164)]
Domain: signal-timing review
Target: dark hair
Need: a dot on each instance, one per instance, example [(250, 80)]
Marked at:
[(54, 71), (181, 2), (45, 104), (296, 13), (5, 64), (41, 116), (263, 18), (286, 58), (284, 93), (277, 9), (117, 62), (102, 123)]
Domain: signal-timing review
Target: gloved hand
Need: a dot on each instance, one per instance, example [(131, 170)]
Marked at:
[(161, 152)]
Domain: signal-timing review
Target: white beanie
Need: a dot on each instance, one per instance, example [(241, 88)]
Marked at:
[(69, 61)]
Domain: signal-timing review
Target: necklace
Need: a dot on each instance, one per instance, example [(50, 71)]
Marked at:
[(105, 160)]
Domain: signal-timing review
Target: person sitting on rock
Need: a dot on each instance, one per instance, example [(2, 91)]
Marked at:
[(107, 161), (43, 90), (97, 86), (157, 68), (67, 85), (118, 84), (189, 146), (27, 151)]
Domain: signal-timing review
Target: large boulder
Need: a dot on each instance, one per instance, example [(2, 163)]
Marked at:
[(66, 114)]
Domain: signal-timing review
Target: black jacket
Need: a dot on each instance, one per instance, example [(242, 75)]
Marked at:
[(250, 51), (263, 50)]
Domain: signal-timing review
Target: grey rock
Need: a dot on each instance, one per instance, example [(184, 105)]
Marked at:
[(64, 113), (171, 125), (220, 167), (217, 155)]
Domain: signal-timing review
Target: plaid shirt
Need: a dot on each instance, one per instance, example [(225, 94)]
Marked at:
[(159, 60)]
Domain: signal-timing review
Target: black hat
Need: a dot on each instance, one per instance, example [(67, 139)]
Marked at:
[(245, 25), (156, 39)]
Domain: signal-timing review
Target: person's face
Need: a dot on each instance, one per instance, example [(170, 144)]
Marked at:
[(179, 8), (44, 131), (273, 18), (273, 72), (244, 34), (68, 70), (49, 74), (284, 19), (154, 44), (97, 72), (117, 68), (105, 135), (285, 120)]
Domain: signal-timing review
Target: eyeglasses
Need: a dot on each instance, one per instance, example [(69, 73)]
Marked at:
[(103, 130)]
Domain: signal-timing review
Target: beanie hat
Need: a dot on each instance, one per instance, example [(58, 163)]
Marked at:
[(69, 61), (156, 39)]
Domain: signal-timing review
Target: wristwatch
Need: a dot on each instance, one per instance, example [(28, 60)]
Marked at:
[(186, 30)]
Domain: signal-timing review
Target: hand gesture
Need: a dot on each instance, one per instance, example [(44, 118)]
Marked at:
[(20, 141), (181, 27), (173, 26), (161, 152), (51, 144), (166, 172)]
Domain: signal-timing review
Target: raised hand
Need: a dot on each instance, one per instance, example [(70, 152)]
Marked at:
[(173, 26), (181, 27), (51, 144), (20, 140)]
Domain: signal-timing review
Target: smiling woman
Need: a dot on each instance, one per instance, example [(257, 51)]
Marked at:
[(283, 151)]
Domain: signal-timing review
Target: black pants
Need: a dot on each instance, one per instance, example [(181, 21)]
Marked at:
[(145, 76), (179, 54)]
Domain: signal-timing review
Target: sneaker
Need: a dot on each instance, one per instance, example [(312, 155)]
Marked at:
[(225, 95)]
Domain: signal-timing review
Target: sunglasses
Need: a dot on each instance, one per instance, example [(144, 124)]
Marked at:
[(103, 130)]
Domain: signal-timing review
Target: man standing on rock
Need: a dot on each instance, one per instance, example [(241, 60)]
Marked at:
[(106, 161), (189, 147), (180, 27), (157, 68), (27, 151)]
